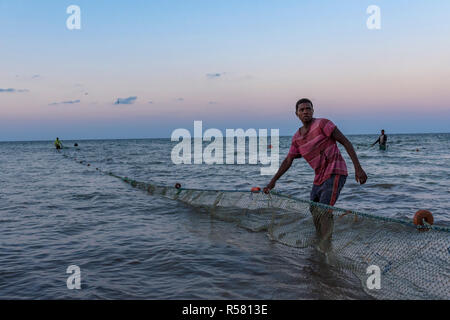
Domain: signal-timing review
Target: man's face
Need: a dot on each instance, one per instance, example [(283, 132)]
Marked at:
[(305, 112)]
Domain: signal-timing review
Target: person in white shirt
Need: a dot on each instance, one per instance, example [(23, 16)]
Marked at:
[(382, 139)]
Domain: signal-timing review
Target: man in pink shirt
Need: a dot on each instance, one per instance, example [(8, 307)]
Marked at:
[(316, 142)]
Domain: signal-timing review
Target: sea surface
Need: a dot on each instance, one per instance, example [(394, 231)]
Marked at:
[(55, 212)]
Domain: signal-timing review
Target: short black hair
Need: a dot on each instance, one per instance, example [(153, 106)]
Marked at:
[(303, 100)]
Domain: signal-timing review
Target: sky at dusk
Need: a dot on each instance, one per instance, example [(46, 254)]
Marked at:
[(141, 69)]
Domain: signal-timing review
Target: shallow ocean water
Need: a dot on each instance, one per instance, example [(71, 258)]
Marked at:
[(131, 245)]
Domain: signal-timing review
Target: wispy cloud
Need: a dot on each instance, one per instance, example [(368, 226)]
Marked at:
[(71, 102), (28, 77), (65, 102), (246, 77), (180, 99), (129, 100), (214, 75), (12, 90), (81, 89), (212, 102)]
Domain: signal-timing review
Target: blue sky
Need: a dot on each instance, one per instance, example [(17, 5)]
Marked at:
[(141, 69)]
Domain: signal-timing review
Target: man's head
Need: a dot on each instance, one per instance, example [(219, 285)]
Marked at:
[(304, 110), (382, 131)]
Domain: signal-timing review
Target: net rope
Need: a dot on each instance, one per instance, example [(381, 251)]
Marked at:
[(414, 261)]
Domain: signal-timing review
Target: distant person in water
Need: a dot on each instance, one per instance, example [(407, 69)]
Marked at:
[(75, 145), (316, 142), (382, 139), (58, 144)]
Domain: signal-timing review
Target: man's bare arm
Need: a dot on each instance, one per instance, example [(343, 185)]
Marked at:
[(360, 175), (376, 142), (285, 165)]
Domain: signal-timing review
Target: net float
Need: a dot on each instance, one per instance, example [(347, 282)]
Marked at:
[(422, 215)]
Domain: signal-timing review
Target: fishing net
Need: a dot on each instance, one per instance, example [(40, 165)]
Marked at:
[(414, 262)]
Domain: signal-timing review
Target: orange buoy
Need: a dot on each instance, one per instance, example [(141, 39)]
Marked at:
[(422, 215), (256, 189), (177, 185), (269, 146)]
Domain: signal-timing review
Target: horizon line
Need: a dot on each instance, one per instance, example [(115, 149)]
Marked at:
[(168, 138)]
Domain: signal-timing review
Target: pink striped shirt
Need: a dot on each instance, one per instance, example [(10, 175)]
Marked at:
[(320, 150)]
